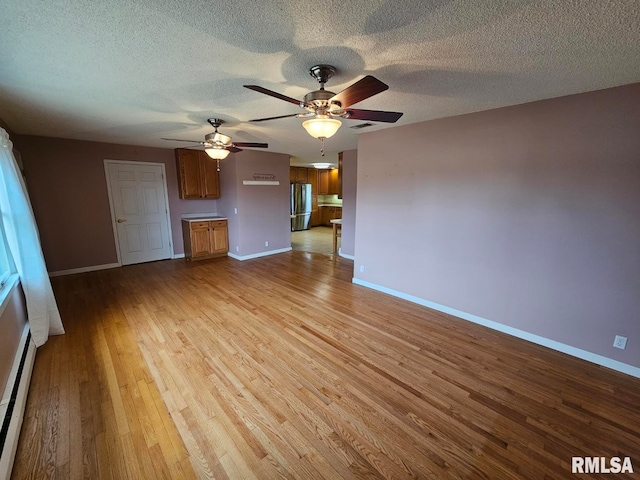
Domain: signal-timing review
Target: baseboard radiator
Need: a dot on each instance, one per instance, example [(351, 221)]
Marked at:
[(14, 400)]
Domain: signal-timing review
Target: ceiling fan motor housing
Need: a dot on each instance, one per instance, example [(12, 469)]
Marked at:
[(319, 100), (216, 138)]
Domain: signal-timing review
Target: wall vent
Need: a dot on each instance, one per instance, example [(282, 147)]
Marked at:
[(362, 125)]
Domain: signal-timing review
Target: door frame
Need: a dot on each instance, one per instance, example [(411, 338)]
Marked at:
[(111, 209)]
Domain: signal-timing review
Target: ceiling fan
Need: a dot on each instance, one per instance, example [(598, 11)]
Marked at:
[(218, 145), (324, 107)]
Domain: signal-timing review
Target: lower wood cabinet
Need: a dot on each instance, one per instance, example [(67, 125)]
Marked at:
[(329, 213), (205, 238)]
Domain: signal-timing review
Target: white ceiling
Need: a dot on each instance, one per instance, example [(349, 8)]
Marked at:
[(132, 72)]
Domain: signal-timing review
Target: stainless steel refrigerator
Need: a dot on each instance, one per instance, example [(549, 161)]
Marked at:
[(300, 206)]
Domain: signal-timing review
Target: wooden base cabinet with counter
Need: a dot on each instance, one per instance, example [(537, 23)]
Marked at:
[(205, 238)]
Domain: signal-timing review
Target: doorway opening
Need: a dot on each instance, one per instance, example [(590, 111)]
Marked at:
[(316, 240)]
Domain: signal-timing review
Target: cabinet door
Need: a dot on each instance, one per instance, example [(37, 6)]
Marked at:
[(200, 241), (188, 165), (312, 178), (292, 174), (323, 182), (315, 212), (325, 215), (333, 181), (301, 174), (210, 176), (219, 237)]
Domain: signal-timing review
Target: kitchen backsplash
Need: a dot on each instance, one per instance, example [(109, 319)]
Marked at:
[(329, 199)]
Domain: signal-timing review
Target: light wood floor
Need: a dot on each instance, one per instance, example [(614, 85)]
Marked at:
[(280, 367), (316, 240)]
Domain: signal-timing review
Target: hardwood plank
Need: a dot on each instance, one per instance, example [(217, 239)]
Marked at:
[(280, 367)]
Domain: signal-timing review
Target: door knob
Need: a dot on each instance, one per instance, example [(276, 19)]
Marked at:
[(120, 220)]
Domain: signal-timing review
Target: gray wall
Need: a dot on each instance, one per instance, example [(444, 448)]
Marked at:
[(528, 216)]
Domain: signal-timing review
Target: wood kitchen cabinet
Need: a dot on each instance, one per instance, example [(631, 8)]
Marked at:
[(323, 182), (205, 238), (334, 182), (298, 174), (329, 213), (198, 175), (328, 182), (301, 175)]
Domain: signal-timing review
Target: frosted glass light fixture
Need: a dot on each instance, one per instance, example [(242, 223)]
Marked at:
[(217, 152), (321, 126)]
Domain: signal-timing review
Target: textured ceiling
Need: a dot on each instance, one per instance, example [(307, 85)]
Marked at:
[(134, 71)]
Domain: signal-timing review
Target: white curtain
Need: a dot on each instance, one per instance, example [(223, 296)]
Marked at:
[(24, 245)]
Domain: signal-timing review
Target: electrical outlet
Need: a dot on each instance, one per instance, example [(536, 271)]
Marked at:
[(266, 244), (362, 268), (235, 211), (237, 248), (620, 342)]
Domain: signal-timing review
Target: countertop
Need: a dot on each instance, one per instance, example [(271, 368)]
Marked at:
[(203, 219), (329, 205)]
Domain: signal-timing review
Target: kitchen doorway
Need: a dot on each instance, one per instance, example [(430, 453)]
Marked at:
[(316, 240)]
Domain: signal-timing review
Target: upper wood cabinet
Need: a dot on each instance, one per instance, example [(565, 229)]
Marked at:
[(301, 175), (198, 175), (323, 182), (312, 178), (334, 182)]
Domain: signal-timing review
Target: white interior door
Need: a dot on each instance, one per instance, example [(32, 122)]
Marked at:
[(138, 199)]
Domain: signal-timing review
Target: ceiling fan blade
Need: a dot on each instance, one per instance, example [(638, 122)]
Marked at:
[(271, 93), (361, 90), (233, 149), (180, 140), (274, 118), (250, 144), (373, 115)]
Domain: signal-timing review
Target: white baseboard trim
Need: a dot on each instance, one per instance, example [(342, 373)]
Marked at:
[(530, 337), (7, 456), (257, 255), (345, 255), (178, 255), (92, 268)]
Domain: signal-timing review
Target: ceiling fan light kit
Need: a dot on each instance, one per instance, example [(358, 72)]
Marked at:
[(217, 153), (324, 106), (217, 145), (322, 126)]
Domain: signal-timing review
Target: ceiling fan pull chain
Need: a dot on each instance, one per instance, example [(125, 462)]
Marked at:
[(217, 165), (322, 146)]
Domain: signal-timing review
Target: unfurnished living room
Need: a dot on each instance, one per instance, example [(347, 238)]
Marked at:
[(477, 164)]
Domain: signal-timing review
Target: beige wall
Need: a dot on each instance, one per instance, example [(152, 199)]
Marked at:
[(528, 216)]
